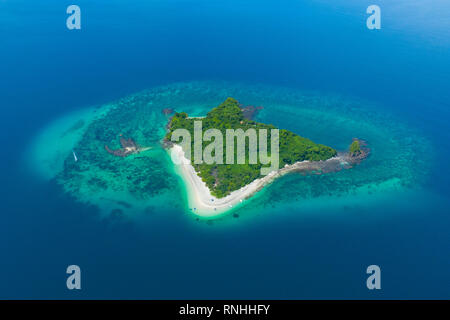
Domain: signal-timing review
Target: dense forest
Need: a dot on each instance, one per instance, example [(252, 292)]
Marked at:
[(222, 179)]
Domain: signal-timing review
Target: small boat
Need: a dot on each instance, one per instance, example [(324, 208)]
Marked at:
[(74, 156)]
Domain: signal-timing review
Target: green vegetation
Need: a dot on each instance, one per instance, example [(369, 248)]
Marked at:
[(222, 179), (355, 148)]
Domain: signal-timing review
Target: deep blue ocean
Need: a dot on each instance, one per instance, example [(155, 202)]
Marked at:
[(123, 47)]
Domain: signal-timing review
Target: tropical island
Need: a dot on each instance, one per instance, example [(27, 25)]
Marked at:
[(128, 180), (218, 187)]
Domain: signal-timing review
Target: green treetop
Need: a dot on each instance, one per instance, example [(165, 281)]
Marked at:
[(355, 148)]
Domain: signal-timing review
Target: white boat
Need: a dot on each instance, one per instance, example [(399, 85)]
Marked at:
[(74, 156)]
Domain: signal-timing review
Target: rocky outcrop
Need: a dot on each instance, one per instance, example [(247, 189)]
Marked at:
[(128, 147), (359, 155), (167, 111), (343, 160), (250, 112)]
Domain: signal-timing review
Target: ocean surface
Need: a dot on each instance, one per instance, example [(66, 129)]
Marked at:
[(314, 67)]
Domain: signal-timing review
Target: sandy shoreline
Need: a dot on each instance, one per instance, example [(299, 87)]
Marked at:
[(202, 203)]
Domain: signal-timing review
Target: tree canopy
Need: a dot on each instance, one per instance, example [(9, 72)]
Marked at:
[(222, 179)]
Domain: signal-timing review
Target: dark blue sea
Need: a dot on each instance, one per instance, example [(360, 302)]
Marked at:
[(320, 46)]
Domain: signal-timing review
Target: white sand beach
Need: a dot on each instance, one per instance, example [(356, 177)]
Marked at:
[(200, 200)]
